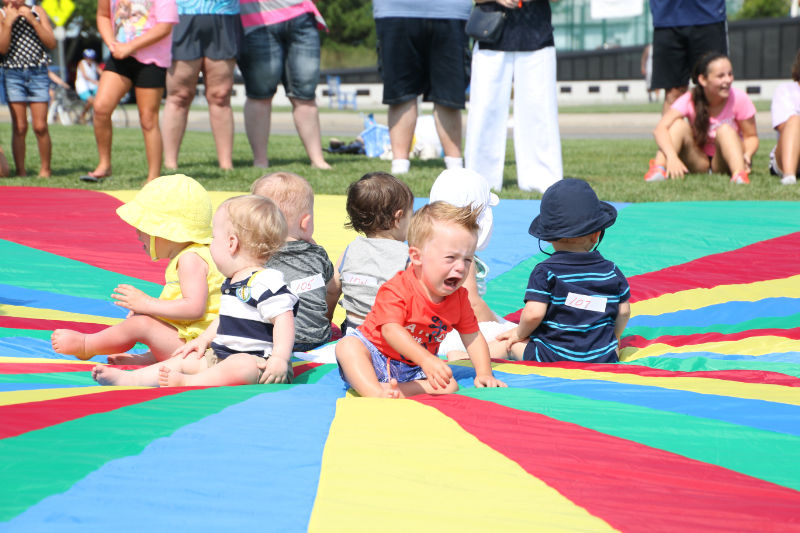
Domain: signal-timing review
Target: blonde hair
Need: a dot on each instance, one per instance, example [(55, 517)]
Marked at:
[(258, 223), (423, 221), (291, 192)]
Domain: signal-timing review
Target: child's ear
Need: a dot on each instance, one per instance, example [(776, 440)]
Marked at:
[(307, 224), (398, 216), (595, 237), (414, 255), (233, 243)]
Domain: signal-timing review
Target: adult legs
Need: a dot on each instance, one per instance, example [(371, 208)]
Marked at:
[(537, 143), (448, 126), (306, 120), (148, 100), (787, 152), (181, 88), (19, 129), (39, 119), (487, 120), (111, 89), (402, 121), (257, 112), (218, 76)]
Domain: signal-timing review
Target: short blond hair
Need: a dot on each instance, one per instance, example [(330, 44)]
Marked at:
[(424, 220), (292, 193), (258, 223)]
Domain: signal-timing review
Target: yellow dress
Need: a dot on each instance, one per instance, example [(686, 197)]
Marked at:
[(189, 329)]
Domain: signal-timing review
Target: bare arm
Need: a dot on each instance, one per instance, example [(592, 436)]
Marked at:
[(749, 139), (479, 306), (478, 352), (193, 278), (5, 29), (532, 315), (334, 290), (104, 27), (279, 366), (42, 26), (623, 314), (675, 167)]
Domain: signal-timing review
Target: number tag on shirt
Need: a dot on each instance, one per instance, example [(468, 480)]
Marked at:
[(590, 303), (310, 283), (356, 279)]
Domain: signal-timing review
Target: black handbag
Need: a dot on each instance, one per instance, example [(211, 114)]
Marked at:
[(486, 24)]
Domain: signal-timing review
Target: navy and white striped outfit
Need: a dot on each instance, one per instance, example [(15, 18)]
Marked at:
[(246, 311), (582, 292)]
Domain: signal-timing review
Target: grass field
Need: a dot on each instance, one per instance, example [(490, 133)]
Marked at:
[(613, 167)]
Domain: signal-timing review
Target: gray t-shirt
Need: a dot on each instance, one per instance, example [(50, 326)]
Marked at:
[(366, 265), (307, 271), (441, 9)]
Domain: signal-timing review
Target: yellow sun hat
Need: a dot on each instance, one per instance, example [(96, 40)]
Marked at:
[(176, 208)]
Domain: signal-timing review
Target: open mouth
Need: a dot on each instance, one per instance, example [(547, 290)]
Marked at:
[(452, 283)]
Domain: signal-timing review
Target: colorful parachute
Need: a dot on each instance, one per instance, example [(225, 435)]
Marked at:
[(699, 428)]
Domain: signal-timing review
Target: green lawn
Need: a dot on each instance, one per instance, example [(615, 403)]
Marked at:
[(613, 167)]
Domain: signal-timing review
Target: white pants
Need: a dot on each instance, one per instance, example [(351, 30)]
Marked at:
[(537, 144)]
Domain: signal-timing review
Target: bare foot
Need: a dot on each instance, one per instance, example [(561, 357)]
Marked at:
[(131, 359), (390, 390), (45, 174), (170, 378), (69, 342), (457, 355), (260, 164), (321, 166), (106, 375), (100, 173)]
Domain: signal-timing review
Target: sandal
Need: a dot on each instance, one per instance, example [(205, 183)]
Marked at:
[(92, 178)]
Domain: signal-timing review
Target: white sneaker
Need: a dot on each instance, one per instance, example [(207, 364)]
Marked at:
[(788, 180)]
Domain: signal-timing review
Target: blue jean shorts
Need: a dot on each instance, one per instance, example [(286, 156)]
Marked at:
[(286, 52), (399, 370), (27, 84)]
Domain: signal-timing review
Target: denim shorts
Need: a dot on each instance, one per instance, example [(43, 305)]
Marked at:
[(399, 370), (417, 56), (286, 52), (27, 84)]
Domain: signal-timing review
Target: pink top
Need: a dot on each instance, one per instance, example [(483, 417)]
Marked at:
[(737, 108), (132, 18), (257, 13), (785, 102)]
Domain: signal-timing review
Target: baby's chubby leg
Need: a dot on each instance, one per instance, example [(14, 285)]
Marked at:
[(147, 376), (356, 364), (236, 369), (160, 337)]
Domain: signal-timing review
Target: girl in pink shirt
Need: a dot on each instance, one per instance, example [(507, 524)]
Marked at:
[(785, 157), (719, 133), (139, 35)]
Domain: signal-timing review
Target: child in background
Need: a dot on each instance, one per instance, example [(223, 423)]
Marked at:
[(392, 354), (251, 340), (576, 304), (25, 38), (172, 217), (305, 265), (379, 206)]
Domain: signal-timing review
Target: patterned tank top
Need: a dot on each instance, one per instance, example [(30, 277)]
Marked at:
[(26, 49)]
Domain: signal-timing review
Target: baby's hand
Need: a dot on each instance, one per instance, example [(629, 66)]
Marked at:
[(130, 297), (195, 348), (509, 338), (488, 381), (278, 371), (437, 371)]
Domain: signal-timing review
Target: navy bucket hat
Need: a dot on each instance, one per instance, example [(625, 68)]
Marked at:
[(570, 208)]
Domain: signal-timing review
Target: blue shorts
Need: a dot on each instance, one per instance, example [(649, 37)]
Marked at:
[(27, 84), (399, 370), (90, 92), (288, 53), (417, 56)]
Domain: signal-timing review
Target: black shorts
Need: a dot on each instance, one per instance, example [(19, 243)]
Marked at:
[(212, 36), (143, 75), (423, 56), (677, 49)]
